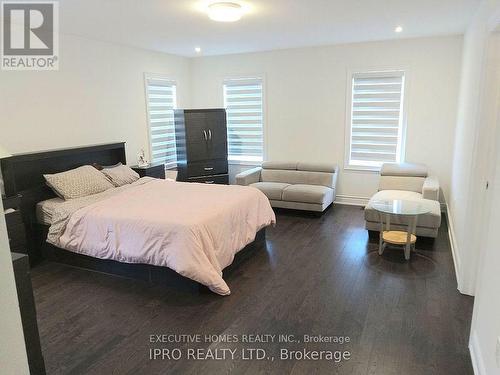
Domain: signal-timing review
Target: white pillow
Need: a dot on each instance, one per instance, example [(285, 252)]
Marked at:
[(120, 175), (78, 182)]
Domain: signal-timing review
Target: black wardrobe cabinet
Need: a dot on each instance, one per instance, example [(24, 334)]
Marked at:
[(201, 141)]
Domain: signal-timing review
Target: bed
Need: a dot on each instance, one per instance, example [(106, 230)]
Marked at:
[(142, 230)]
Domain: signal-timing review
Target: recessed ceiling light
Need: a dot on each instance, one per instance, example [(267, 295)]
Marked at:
[(398, 29), (225, 11), (197, 49)]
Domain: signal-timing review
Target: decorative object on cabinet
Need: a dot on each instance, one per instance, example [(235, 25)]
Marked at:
[(141, 159)]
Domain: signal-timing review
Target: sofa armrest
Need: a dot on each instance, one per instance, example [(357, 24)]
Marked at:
[(335, 178), (430, 190), (248, 177)]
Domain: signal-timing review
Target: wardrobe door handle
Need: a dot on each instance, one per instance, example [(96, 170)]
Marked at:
[(210, 134), (205, 134)]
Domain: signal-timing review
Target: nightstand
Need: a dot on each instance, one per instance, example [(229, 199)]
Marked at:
[(15, 224), (152, 170)]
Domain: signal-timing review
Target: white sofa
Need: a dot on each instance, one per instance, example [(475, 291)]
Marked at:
[(299, 186), (407, 181)]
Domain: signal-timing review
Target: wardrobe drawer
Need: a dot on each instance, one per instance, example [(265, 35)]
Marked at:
[(222, 179), (207, 168)]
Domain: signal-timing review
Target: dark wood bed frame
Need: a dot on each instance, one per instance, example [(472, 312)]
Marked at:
[(23, 176)]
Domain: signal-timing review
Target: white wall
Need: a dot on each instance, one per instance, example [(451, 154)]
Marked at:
[(470, 160), (478, 145), (485, 329), (306, 99), (96, 96), (13, 358)]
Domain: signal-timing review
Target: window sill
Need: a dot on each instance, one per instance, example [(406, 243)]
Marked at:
[(247, 163)]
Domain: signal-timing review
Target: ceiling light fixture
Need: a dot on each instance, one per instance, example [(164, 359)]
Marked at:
[(197, 49), (398, 29), (225, 11)]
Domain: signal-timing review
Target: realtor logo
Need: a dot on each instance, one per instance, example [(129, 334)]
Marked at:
[(30, 35)]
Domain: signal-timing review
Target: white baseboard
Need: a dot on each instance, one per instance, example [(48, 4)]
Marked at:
[(351, 200), (475, 355), (454, 247)]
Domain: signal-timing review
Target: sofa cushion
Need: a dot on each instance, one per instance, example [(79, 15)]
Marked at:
[(429, 220), (403, 170), (308, 194), (317, 167), (272, 190), (288, 165), (413, 184), (298, 177)]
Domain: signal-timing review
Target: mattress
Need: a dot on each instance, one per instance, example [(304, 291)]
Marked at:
[(45, 209)]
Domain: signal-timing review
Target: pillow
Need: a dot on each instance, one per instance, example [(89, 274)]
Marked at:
[(120, 175), (78, 182)]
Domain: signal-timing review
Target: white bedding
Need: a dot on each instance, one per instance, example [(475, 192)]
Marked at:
[(194, 229), (45, 209)]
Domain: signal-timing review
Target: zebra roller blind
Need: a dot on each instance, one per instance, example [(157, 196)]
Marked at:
[(376, 121), (161, 102), (245, 119)]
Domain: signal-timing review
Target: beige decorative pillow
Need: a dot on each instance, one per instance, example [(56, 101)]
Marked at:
[(120, 175), (78, 182)]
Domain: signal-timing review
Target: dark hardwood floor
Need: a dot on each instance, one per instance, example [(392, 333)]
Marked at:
[(317, 275)]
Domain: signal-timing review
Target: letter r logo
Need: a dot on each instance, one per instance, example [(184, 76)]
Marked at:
[(28, 28)]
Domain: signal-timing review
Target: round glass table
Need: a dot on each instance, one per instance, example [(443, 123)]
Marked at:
[(406, 215)]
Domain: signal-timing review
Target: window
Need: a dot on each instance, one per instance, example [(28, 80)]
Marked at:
[(376, 120), (243, 102), (161, 102)]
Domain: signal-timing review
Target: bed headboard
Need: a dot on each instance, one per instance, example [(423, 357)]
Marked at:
[(23, 173)]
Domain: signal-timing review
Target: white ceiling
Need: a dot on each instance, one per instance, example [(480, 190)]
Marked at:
[(177, 26)]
